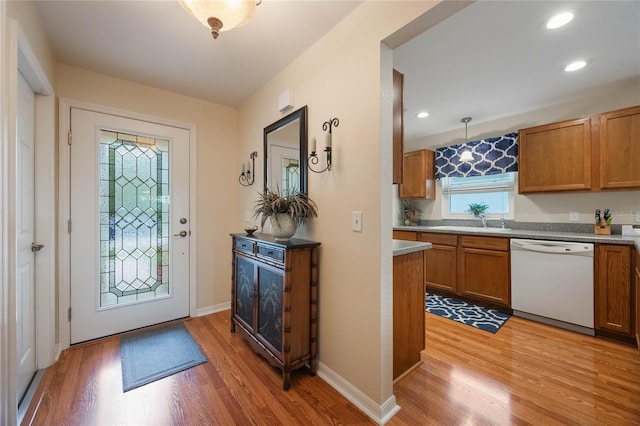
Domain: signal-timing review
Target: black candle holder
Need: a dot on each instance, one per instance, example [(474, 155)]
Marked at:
[(247, 178), (313, 157)]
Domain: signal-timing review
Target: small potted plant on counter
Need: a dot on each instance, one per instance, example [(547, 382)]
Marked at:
[(410, 213), (285, 211), (479, 210)]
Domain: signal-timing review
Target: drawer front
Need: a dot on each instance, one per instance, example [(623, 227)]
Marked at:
[(405, 235), (244, 245), (271, 253), (441, 239), (489, 243)]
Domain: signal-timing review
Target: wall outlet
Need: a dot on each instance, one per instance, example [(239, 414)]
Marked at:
[(356, 221), (247, 216), (574, 216)]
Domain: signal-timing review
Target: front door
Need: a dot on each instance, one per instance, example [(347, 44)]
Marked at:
[(129, 224)]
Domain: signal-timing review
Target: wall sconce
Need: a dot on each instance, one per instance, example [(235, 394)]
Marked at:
[(247, 177), (313, 158)]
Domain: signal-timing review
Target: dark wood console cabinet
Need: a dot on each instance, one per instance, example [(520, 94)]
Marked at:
[(274, 293)]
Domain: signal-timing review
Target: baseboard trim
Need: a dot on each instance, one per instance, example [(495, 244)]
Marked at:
[(212, 309), (380, 414)]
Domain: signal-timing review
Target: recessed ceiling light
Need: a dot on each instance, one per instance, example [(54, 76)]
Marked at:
[(559, 20), (423, 114), (574, 66)]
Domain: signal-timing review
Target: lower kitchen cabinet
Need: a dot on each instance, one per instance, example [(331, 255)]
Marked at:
[(484, 269), (636, 280), (408, 311), (613, 289), (274, 300), (440, 262)]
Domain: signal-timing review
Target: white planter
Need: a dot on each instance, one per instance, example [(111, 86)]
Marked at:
[(283, 227)]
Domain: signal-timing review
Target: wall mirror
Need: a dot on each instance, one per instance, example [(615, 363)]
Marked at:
[(285, 153)]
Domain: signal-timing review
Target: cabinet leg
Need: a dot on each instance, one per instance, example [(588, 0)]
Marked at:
[(286, 380), (313, 366), (233, 326)]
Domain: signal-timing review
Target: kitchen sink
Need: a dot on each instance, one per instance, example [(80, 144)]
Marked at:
[(468, 229)]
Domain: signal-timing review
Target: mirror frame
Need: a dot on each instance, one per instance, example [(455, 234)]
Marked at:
[(299, 114)]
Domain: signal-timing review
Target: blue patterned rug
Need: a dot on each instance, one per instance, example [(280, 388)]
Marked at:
[(476, 316)]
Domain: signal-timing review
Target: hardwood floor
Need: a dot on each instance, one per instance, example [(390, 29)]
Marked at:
[(527, 373)]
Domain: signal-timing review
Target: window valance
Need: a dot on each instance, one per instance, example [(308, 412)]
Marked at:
[(490, 156)]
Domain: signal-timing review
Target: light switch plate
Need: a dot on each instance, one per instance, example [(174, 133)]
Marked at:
[(574, 216), (356, 221)]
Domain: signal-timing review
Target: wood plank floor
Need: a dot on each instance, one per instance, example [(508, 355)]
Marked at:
[(527, 373)]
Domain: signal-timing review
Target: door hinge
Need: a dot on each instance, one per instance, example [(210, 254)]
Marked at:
[(69, 225), (69, 138), (69, 313)]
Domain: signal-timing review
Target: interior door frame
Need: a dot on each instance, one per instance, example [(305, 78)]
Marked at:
[(18, 56), (64, 247)]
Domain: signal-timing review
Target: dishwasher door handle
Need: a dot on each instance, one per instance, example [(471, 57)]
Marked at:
[(551, 247)]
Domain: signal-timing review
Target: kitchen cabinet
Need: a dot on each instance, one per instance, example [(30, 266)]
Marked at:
[(484, 269), (441, 261), (405, 235), (418, 175), (398, 125), (617, 134), (555, 157), (613, 289), (408, 311), (596, 153), (274, 299), (636, 280)]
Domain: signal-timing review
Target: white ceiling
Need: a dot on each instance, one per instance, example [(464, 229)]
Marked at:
[(493, 59), (159, 44), (490, 60)]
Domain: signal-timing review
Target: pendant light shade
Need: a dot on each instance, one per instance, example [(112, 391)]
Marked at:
[(466, 155), (221, 15)]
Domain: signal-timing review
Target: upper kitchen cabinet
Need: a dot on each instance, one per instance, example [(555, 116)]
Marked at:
[(555, 157), (398, 125), (588, 154), (618, 135), (418, 177)]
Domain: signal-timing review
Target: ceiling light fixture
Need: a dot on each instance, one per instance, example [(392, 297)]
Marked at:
[(559, 20), (423, 114), (221, 15), (466, 155), (574, 66)]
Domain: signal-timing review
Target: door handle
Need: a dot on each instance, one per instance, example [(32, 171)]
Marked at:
[(36, 247), (181, 234)]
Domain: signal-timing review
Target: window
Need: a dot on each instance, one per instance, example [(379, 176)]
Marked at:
[(497, 191)]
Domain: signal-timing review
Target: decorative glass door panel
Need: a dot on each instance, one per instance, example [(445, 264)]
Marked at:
[(244, 297), (270, 306), (134, 218)]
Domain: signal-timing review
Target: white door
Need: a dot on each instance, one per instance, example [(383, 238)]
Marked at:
[(25, 224), (129, 224)]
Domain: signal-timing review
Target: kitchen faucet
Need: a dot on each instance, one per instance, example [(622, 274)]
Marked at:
[(483, 218)]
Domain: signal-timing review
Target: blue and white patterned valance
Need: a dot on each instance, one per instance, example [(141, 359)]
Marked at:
[(490, 156)]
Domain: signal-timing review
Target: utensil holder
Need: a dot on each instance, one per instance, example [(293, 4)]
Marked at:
[(603, 229)]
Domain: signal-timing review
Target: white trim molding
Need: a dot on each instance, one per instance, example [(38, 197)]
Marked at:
[(379, 413), (212, 309)]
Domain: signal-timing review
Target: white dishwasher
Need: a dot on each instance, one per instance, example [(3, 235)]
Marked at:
[(552, 283)]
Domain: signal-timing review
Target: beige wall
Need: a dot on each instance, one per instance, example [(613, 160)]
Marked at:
[(216, 163), (340, 77), (547, 207)]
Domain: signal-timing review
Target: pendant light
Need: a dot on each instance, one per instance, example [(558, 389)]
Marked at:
[(467, 155)]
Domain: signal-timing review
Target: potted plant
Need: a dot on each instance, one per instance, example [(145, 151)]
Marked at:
[(410, 213), (285, 211), (478, 209)]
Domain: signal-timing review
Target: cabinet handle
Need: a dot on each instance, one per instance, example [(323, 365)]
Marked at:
[(270, 252)]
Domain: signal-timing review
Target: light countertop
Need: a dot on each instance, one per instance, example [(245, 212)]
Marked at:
[(523, 233), (401, 247)]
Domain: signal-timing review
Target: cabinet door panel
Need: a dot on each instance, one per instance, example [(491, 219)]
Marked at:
[(270, 306), (245, 278), (620, 149), (418, 178), (613, 297), (555, 157), (485, 275), (440, 267)]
